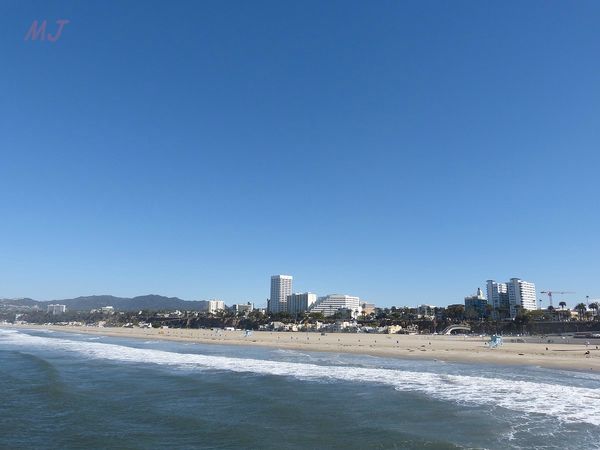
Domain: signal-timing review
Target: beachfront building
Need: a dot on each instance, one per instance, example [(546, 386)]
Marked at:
[(476, 305), (331, 304), (497, 296), (508, 298), (281, 287), (300, 303), (243, 307), (213, 306), (393, 329), (521, 295), (55, 310), (424, 311), (342, 325)]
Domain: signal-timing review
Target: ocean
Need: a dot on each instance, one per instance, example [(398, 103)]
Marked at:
[(70, 391)]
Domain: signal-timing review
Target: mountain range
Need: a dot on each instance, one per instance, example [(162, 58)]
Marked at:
[(152, 302)]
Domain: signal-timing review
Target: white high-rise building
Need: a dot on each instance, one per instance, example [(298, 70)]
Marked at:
[(281, 287), (521, 294), (333, 303), (509, 297), (497, 294), (299, 303)]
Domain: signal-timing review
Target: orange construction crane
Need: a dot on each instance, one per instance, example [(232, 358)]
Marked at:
[(550, 293)]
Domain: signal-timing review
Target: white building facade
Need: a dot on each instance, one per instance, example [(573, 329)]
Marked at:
[(243, 307), (331, 304), (497, 294), (512, 296), (281, 287), (55, 310), (300, 303), (521, 294), (213, 306)]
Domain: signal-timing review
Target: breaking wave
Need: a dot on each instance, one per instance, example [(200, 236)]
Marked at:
[(566, 403)]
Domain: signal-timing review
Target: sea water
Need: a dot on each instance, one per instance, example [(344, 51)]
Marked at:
[(65, 390)]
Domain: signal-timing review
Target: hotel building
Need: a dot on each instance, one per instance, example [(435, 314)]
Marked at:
[(299, 303), (521, 294), (281, 287), (510, 297), (497, 294), (333, 303)]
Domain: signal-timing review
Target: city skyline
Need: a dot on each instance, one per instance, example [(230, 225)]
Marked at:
[(499, 295), (369, 148)]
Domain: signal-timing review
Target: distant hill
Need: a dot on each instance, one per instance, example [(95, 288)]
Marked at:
[(152, 302), (18, 302)]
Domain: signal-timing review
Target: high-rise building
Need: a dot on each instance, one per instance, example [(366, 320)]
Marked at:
[(334, 303), (497, 294), (476, 305), (507, 298), (281, 287), (299, 303), (521, 294)]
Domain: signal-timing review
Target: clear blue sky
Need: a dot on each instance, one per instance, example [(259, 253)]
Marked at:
[(404, 152)]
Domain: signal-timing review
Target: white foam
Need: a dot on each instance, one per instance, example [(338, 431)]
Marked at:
[(7, 331), (565, 403)]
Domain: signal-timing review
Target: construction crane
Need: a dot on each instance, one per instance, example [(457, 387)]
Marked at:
[(550, 293)]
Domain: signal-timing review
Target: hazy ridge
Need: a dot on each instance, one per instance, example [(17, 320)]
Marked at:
[(152, 301)]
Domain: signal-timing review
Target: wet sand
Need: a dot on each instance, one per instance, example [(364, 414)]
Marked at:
[(559, 355)]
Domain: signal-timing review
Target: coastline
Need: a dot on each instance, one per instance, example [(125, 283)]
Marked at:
[(465, 349)]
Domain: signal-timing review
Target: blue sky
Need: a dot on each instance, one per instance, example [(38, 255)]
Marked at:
[(404, 152)]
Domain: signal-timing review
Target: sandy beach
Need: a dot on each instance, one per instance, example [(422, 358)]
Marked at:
[(557, 354)]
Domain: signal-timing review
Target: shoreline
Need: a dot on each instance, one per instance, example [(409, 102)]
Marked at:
[(465, 349)]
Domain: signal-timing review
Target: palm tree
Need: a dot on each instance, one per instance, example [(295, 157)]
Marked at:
[(562, 305), (594, 306), (581, 308)]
